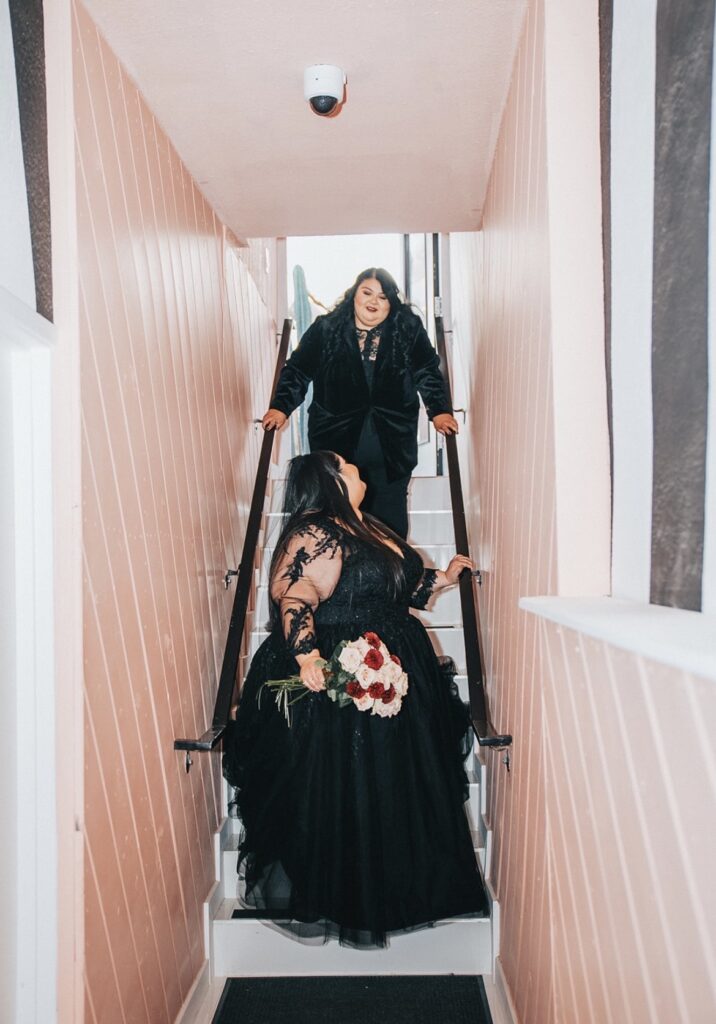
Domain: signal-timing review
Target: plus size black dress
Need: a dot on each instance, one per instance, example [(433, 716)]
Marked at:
[(353, 824)]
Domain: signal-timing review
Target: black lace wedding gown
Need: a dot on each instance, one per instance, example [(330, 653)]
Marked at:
[(353, 824)]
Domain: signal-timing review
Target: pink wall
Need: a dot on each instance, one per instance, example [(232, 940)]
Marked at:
[(602, 860), (500, 289), (177, 347), (630, 812)]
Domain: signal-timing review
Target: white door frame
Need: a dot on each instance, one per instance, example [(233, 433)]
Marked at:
[(28, 855)]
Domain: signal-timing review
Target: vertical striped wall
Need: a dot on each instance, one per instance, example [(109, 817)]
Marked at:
[(604, 842), (630, 806), (177, 351), (501, 319)]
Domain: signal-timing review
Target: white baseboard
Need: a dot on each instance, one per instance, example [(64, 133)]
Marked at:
[(499, 996), (201, 1002)]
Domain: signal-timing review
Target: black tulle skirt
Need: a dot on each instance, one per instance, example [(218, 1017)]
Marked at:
[(354, 826)]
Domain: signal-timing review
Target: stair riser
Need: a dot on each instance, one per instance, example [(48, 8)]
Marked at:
[(253, 949), (425, 494), (451, 643)]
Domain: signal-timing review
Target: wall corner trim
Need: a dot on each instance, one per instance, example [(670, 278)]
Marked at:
[(502, 1004), (682, 639)]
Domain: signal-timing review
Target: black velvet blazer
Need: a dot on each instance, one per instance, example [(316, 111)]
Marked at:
[(405, 365)]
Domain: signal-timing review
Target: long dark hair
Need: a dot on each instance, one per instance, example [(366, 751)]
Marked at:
[(401, 320), (315, 489)]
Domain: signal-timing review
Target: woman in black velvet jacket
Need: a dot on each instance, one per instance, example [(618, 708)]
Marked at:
[(368, 360)]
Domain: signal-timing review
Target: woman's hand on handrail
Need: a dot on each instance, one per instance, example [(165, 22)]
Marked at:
[(452, 574), (445, 423), (274, 419)]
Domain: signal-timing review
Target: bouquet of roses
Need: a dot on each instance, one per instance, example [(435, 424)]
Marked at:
[(361, 672)]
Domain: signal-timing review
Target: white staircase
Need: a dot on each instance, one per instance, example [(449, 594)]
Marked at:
[(244, 947)]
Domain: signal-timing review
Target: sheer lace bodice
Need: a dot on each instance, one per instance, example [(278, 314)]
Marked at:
[(326, 575)]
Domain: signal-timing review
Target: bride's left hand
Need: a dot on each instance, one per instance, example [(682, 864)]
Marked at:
[(456, 566)]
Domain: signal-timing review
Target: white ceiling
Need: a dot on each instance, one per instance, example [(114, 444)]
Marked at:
[(411, 149)]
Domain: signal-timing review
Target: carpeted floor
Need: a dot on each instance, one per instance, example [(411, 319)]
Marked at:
[(441, 999)]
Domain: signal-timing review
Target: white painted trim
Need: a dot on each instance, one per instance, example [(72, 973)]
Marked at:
[(576, 296), (203, 998), (220, 836), (503, 1007), (216, 893), (30, 700), (708, 578), (683, 639), (632, 214), (495, 922), (196, 996), (22, 327), (68, 667)]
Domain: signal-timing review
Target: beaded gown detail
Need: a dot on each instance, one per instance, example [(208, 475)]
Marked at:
[(353, 824)]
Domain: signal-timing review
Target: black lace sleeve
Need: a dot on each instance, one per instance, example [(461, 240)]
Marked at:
[(424, 590), (306, 573)]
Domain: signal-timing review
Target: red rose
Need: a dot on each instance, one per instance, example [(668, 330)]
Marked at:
[(388, 695), (373, 659), (372, 638), (376, 691), (396, 659), (354, 689)]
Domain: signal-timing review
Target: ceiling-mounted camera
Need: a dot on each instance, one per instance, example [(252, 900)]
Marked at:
[(323, 87)]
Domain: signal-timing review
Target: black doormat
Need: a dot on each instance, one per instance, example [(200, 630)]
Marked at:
[(424, 999)]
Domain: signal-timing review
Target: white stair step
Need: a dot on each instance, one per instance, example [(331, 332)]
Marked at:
[(451, 643), (425, 494), (253, 948), (430, 528), (429, 493), (443, 610), (472, 807), (436, 556)]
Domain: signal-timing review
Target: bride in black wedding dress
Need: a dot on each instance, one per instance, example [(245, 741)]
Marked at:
[(353, 823)]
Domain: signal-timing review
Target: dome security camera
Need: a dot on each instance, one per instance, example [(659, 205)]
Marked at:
[(323, 87)]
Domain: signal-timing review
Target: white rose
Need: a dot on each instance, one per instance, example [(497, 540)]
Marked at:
[(364, 703), (392, 672), (361, 645), (401, 684), (350, 659), (365, 676), (387, 710)]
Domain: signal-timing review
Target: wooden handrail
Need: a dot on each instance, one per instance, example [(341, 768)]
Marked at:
[(245, 579), (474, 655)]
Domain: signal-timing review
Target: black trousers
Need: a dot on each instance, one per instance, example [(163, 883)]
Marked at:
[(385, 499)]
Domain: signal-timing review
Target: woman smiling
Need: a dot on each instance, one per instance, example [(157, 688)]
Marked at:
[(369, 359)]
